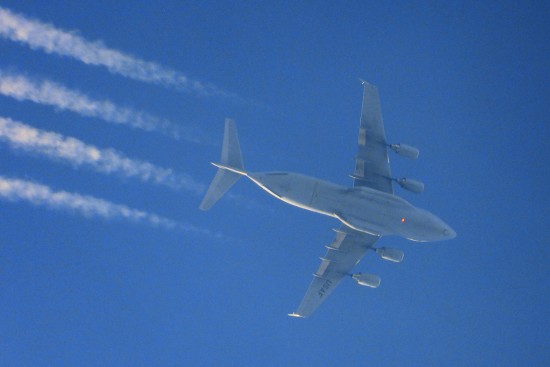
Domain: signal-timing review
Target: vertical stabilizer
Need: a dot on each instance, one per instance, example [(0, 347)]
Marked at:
[(230, 168), (231, 150)]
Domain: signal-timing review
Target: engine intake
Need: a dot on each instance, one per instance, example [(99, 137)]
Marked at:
[(367, 280), (411, 185), (405, 150), (390, 254)]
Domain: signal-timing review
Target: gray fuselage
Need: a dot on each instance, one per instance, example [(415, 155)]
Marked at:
[(360, 208)]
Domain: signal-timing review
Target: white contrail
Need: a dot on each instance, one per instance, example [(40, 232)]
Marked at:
[(88, 206), (46, 37), (70, 150), (53, 94)]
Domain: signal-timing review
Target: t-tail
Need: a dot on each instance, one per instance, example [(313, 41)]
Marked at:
[(229, 169)]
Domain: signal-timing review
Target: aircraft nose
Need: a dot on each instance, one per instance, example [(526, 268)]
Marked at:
[(449, 233)]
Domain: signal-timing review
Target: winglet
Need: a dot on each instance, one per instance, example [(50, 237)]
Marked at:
[(294, 314)]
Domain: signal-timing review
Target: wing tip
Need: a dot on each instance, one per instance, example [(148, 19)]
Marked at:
[(297, 315), (366, 84)]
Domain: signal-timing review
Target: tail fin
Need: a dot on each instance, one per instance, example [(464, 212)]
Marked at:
[(230, 169)]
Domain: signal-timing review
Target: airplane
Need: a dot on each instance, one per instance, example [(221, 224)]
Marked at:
[(367, 211)]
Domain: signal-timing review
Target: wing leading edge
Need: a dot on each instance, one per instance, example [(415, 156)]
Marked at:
[(372, 169)]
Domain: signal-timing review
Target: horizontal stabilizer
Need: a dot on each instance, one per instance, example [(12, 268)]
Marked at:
[(221, 183)]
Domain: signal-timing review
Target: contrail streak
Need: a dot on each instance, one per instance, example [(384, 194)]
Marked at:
[(46, 37), (73, 151), (52, 94), (87, 206)]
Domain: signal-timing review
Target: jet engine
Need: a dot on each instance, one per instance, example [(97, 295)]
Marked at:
[(405, 150), (390, 254), (367, 280), (411, 185)]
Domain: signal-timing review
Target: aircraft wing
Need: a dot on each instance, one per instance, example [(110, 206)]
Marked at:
[(372, 169), (347, 249), (372, 165)]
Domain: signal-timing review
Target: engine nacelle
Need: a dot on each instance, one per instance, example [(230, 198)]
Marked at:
[(390, 254), (405, 150), (367, 280), (411, 185)]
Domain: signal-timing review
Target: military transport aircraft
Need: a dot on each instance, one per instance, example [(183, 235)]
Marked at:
[(367, 211)]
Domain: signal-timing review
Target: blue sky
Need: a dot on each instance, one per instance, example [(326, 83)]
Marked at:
[(106, 260)]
